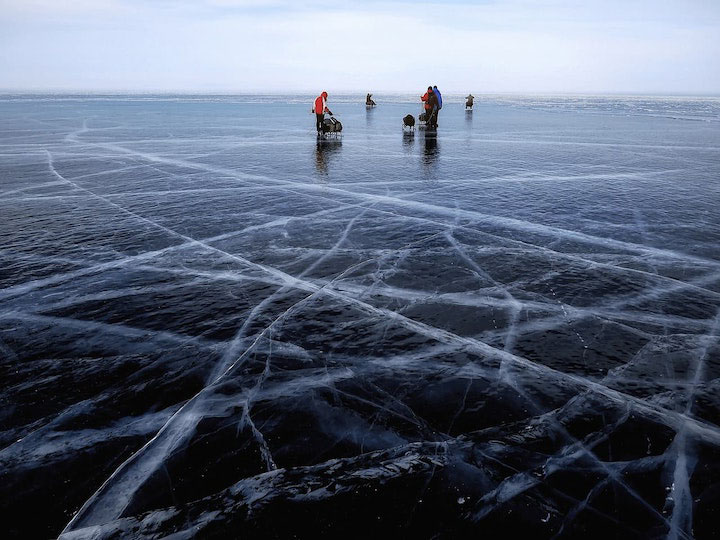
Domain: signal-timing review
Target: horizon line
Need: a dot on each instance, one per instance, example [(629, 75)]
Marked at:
[(166, 92)]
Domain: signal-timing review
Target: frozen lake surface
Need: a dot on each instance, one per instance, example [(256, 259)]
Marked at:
[(213, 324)]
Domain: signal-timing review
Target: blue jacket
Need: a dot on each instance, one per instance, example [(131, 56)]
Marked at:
[(439, 97)]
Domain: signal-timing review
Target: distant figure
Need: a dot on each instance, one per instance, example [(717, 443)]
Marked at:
[(320, 108), (469, 101), (438, 95), (369, 101)]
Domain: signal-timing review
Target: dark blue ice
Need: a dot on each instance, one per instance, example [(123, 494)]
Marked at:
[(213, 323)]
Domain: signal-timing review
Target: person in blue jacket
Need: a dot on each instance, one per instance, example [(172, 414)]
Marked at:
[(439, 100)]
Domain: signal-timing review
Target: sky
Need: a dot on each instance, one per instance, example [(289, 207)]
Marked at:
[(245, 46)]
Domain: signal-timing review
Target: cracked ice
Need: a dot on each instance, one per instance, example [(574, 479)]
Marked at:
[(211, 323)]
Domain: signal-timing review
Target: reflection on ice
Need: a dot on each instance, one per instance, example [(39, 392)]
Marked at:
[(198, 337), (324, 153), (408, 141), (430, 148)]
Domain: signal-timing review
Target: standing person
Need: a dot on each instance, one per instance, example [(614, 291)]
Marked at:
[(438, 95), (320, 108), (428, 108), (432, 103), (369, 101), (469, 101)]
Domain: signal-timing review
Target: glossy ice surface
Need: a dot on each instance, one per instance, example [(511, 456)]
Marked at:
[(211, 323)]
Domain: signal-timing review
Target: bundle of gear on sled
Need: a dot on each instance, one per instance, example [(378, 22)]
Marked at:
[(331, 125), (409, 121)]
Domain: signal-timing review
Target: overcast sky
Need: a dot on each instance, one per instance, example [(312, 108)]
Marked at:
[(590, 46)]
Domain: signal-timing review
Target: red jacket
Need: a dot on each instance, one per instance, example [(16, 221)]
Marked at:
[(320, 106), (425, 99)]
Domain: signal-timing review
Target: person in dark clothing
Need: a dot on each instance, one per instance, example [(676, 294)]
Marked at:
[(438, 95), (432, 109)]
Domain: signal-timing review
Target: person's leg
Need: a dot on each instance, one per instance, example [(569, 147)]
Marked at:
[(319, 121)]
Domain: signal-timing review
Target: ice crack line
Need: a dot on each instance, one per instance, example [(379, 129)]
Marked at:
[(236, 341), (424, 329), (441, 335), (679, 499), (432, 208)]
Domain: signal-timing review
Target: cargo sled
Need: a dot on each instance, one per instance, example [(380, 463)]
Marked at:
[(331, 127), (409, 122), (422, 120)]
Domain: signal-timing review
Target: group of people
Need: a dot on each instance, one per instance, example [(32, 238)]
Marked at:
[(432, 100), (433, 103)]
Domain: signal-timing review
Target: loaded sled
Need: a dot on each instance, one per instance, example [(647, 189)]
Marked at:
[(331, 127), (409, 122), (422, 120)]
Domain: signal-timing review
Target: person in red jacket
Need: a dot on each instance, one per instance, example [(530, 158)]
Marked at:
[(320, 108), (431, 106), (424, 98)]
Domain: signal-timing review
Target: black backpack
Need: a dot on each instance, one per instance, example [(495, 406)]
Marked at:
[(332, 125)]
